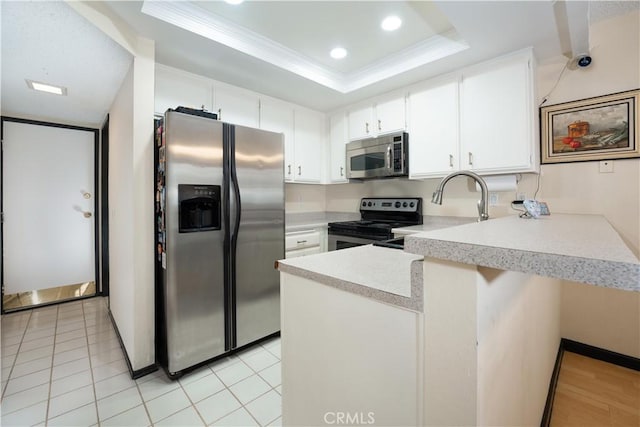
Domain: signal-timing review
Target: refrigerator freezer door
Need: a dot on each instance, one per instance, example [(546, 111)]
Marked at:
[(194, 287), (260, 238)]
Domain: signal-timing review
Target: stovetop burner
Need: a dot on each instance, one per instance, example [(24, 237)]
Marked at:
[(379, 217)]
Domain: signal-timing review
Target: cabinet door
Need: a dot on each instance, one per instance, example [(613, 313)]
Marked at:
[(338, 136), (433, 131), (174, 89), (237, 107), (278, 117), (390, 116), (308, 131), (361, 123), (497, 118)]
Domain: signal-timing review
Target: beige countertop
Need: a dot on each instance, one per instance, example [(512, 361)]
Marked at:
[(387, 275), (433, 223), (581, 248)]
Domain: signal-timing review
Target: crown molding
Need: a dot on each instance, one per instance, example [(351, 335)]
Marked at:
[(195, 19)]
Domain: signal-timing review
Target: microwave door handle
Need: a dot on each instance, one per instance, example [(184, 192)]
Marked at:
[(389, 164)]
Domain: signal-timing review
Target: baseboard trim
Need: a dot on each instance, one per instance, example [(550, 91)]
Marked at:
[(588, 351), (139, 372), (601, 354), (548, 407)]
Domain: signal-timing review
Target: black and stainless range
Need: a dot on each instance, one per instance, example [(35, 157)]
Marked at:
[(378, 216)]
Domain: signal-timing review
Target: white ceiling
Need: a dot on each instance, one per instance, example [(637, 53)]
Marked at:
[(49, 42)]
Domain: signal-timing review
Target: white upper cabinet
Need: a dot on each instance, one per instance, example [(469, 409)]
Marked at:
[(482, 119), (433, 130), (390, 115), (309, 133), (277, 116), (361, 123), (174, 88), (385, 116), (338, 140), (236, 106), (497, 116)]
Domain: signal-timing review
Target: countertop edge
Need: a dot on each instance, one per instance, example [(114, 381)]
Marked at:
[(413, 303), (604, 273)]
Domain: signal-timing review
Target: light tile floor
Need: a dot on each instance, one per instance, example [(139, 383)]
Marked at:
[(62, 366)]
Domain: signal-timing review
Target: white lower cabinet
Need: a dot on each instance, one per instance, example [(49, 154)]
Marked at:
[(305, 242), (359, 358)]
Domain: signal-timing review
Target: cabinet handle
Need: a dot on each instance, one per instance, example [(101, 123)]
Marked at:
[(450, 160), (302, 241), (470, 158), (219, 113), (379, 124), (366, 127), (341, 171), (299, 170), (289, 168)]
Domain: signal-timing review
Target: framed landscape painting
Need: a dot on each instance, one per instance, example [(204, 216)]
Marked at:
[(601, 128)]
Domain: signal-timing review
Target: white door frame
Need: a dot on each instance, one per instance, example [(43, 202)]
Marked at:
[(97, 196)]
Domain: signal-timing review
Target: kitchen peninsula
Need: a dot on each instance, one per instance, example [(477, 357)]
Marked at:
[(480, 348)]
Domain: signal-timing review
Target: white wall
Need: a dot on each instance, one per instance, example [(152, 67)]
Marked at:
[(120, 210), (131, 209), (604, 318)]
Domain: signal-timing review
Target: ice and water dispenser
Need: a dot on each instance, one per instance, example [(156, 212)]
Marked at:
[(199, 208)]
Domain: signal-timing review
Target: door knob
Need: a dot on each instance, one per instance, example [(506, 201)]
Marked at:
[(87, 214), (86, 195)]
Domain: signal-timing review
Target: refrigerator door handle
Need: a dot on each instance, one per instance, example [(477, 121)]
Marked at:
[(235, 217)]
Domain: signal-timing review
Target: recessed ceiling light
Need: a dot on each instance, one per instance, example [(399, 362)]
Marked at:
[(234, 1), (338, 53), (44, 87), (391, 23)]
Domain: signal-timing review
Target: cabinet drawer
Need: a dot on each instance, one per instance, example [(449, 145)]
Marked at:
[(303, 239), (302, 252)]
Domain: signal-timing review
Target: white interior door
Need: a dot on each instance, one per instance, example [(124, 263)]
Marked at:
[(48, 204)]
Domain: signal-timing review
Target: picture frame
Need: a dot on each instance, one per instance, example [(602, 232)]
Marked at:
[(592, 129)]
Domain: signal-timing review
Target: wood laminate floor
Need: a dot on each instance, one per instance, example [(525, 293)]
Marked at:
[(595, 393)]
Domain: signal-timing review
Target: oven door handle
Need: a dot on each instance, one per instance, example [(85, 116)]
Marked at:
[(389, 164)]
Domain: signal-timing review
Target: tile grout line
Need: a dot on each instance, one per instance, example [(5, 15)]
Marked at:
[(24, 332), (93, 382), (193, 404), (55, 329)]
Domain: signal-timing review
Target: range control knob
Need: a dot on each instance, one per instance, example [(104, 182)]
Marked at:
[(364, 203), (397, 204), (411, 204), (369, 204), (404, 204)]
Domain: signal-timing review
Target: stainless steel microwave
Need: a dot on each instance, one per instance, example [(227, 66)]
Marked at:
[(384, 156)]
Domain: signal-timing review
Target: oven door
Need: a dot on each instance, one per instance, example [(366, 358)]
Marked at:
[(337, 241), (370, 162)]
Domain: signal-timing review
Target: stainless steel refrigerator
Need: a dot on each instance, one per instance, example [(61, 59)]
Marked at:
[(220, 229)]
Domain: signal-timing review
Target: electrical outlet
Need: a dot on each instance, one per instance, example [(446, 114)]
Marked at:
[(521, 196), (606, 166), (494, 198)]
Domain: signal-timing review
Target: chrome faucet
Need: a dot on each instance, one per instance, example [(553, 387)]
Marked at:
[(483, 203)]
